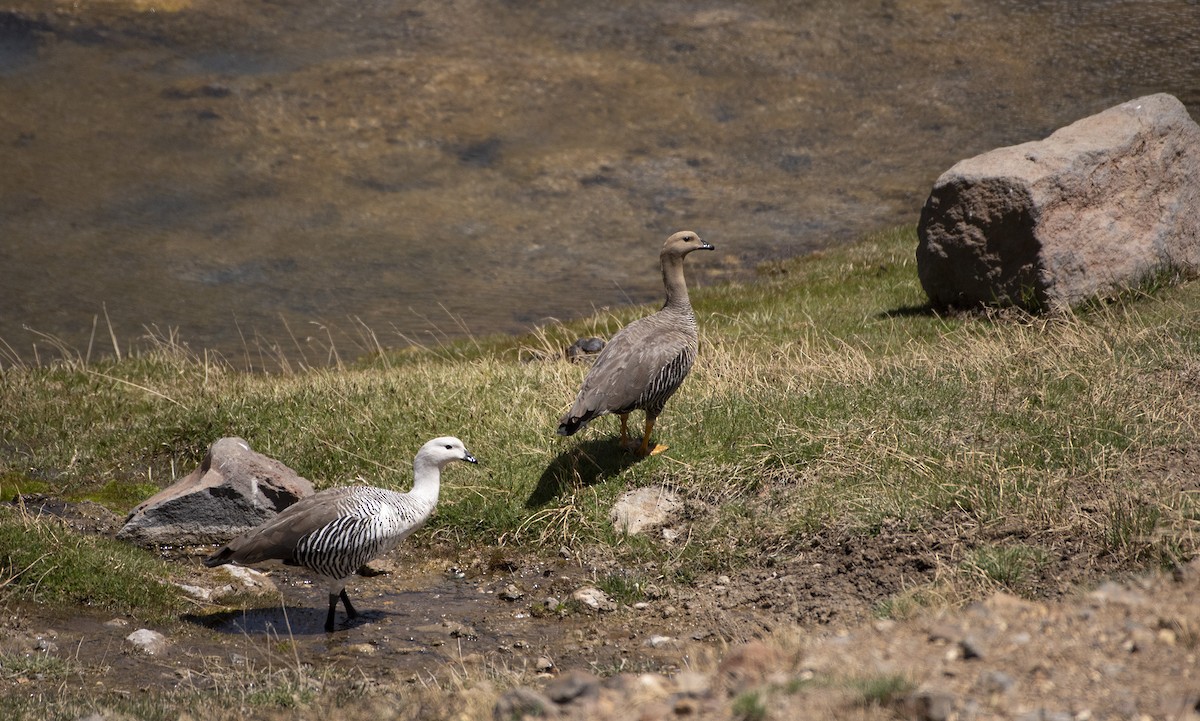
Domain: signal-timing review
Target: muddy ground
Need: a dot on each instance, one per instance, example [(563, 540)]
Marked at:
[(1072, 646)]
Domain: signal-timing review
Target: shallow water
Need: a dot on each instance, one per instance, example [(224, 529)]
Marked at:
[(411, 625), (270, 179)]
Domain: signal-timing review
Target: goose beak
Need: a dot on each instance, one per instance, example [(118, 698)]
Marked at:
[(705, 245), (469, 458)]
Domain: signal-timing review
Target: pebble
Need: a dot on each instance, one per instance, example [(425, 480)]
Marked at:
[(148, 642), (519, 703), (995, 681), (572, 686), (511, 593), (930, 706), (197, 592), (594, 599)]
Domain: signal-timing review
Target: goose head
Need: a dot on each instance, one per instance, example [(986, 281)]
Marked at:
[(684, 242), (443, 450)]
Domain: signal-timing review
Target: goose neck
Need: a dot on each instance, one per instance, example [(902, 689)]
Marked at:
[(427, 476), (673, 281)]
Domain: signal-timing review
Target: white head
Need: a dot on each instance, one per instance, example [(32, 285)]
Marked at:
[(441, 451)]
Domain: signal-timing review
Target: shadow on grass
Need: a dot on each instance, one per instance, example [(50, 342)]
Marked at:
[(913, 311), (582, 465)]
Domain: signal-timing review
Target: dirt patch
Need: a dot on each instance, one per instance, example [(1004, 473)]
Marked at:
[(441, 612)]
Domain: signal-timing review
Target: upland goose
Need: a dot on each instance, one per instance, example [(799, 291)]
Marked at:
[(647, 360), (334, 532)]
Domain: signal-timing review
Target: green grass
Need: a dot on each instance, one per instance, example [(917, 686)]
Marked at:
[(1009, 566), (749, 706), (882, 690), (42, 561), (827, 397), (32, 666)]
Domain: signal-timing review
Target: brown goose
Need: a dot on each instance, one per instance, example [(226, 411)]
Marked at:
[(334, 532), (647, 360)]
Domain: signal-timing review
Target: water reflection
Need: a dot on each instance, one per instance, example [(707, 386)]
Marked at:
[(253, 173)]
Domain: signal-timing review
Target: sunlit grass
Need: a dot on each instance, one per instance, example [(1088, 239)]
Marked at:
[(827, 400), (827, 395), (42, 561)]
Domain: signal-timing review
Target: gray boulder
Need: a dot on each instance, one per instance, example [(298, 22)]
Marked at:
[(233, 490), (1098, 207)]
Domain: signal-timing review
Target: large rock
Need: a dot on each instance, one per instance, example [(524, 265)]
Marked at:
[(1098, 207), (233, 490)]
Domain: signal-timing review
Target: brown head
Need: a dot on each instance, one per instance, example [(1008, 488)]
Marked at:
[(673, 252), (684, 242)]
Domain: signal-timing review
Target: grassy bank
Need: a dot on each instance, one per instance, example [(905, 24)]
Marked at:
[(827, 400)]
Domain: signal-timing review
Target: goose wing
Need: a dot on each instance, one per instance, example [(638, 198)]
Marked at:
[(277, 538), (629, 366)]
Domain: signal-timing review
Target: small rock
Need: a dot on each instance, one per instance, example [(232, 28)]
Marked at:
[(594, 599), (643, 508), (651, 684), (362, 649), (970, 648), (249, 579), (580, 350), (573, 686), (1115, 593), (45, 645), (117, 623), (1042, 714), (544, 665), (930, 706), (151, 643), (692, 684), (377, 567), (749, 663), (993, 682), (521, 703), (196, 592), (659, 641), (510, 593)]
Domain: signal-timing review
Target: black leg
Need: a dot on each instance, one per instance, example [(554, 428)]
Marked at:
[(333, 599), (349, 609)]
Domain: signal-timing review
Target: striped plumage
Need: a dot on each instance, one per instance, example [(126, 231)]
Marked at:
[(647, 360), (334, 532)]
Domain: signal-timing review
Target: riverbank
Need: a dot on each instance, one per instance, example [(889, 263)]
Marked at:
[(851, 466)]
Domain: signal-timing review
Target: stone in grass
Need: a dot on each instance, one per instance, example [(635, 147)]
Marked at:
[(522, 703), (643, 508), (151, 643), (1101, 206), (594, 599), (233, 490)]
